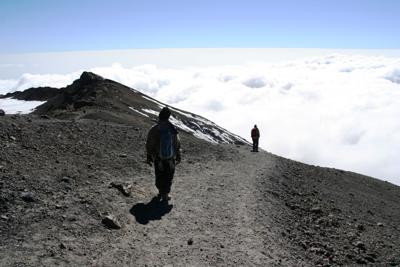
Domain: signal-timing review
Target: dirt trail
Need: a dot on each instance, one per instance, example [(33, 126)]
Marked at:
[(214, 206)]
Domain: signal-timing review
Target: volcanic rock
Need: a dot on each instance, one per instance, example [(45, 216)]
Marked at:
[(316, 210), (124, 188), (34, 94), (28, 197), (110, 221), (360, 245)]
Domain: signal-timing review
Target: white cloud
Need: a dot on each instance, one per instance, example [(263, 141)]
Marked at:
[(6, 85), (29, 80), (256, 82), (340, 111), (394, 76)]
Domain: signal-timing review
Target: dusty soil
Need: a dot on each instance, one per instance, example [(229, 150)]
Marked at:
[(229, 206)]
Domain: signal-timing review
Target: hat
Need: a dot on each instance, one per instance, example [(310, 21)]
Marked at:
[(164, 113)]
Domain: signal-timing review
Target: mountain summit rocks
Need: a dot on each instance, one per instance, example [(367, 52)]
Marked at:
[(89, 77)]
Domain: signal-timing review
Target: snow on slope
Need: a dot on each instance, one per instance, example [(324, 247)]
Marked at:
[(196, 125), (14, 106), (137, 111)]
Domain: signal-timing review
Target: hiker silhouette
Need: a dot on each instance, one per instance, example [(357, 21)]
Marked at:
[(154, 210), (163, 150), (255, 135)]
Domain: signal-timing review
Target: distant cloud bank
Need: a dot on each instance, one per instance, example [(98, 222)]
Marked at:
[(340, 111)]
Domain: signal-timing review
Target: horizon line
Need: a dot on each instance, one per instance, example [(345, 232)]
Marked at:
[(196, 48)]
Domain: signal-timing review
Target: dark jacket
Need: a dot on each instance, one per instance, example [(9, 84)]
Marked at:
[(153, 141), (255, 133)]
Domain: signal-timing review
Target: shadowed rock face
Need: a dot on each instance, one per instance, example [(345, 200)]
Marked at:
[(34, 94), (89, 78), (89, 90)]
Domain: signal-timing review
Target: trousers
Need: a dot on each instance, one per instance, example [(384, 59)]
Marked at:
[(164, 170), (255, 144)]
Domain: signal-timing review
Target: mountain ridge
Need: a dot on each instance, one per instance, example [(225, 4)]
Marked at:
[(92, 96)]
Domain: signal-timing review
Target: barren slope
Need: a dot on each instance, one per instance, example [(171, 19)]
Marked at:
[(229, 206)]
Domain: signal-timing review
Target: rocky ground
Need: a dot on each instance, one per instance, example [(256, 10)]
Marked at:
[(76, 193)]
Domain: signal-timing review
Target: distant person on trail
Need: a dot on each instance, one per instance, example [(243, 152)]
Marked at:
[(255, 135), (163, 149)]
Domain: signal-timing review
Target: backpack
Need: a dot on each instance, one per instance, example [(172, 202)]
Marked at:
[(167, 144)]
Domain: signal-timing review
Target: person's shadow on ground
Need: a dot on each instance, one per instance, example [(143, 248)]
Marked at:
[(154, 210)]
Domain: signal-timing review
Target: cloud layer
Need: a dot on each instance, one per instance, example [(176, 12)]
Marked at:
[(340, 111)]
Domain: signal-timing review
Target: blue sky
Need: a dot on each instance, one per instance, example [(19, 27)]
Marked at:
[(48, 25)]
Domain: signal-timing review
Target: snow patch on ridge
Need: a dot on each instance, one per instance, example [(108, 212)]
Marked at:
[(141, 113), (150, 111), (199, 127), (161, 105), (14, 106), (179, 124)]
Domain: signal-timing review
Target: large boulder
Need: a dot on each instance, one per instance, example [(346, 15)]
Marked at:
[(2, 113)]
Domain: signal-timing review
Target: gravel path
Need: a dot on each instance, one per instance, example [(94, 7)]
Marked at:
[(213, 218)]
